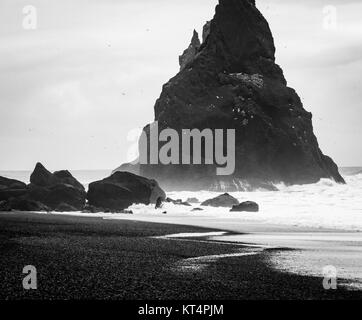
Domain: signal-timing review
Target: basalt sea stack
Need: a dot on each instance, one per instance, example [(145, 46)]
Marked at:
[(230, 80)]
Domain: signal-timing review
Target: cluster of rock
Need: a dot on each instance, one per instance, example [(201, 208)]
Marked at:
[(222, 201), (61, 192), (227, 201), (58, 191), (178, 202)]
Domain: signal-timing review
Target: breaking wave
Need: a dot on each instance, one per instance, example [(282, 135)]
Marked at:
[(325, 204)]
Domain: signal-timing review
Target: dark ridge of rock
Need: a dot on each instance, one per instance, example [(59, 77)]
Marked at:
[(224, 200), (232, 82), (42, 177), (248, 206), (6, 183), (122, 189), (190, 53)]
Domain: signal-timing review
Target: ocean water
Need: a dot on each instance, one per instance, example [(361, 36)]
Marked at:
[(325, 204)]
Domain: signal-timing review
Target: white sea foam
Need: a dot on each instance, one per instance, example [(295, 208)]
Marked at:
[(325, 204), (194, 235)]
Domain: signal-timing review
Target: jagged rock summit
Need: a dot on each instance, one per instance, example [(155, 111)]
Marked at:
[(231, 81), (190, 53)]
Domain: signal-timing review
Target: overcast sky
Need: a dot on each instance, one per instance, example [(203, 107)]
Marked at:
[(72, 89)]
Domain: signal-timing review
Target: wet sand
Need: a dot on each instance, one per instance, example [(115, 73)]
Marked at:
[(129, 259), (313, 248)]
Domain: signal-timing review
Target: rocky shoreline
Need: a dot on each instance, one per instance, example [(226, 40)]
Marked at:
[(61, 192)]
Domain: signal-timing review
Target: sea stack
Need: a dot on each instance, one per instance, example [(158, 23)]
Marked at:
[(231, 81)]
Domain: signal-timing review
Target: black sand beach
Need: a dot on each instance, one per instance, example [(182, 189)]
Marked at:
[(92, 258)]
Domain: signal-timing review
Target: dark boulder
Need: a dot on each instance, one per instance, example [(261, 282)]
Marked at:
[(224, 200), (248, 206), (41, 177), (10, 188), (197, 209), (193, 200), (6, 183), (122, 189), (55, 189)]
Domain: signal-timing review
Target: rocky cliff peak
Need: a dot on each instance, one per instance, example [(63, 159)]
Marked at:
[(231, 81), (190, 53)]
